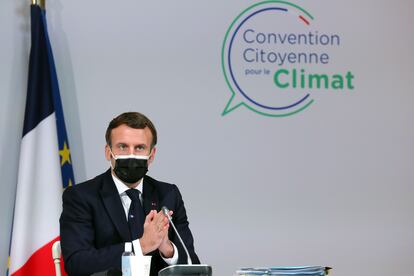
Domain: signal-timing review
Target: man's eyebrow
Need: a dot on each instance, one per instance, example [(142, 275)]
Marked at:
[(140, 145)]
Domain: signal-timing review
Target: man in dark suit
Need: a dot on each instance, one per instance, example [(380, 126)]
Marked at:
[(100, 215)]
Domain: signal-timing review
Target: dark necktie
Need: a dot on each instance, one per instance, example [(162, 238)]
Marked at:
[(135, 215)]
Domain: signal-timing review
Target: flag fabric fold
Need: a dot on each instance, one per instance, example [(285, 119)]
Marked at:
[(45, 166)]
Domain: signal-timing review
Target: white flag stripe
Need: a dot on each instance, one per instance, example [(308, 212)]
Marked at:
[(38, 196)]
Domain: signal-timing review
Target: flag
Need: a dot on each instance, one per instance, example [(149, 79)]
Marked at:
[(45, 166)]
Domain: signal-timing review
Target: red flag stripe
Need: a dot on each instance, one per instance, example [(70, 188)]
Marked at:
[(40, 262)]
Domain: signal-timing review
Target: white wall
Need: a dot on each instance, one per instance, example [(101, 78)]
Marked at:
[(331, 185), (14, 47)]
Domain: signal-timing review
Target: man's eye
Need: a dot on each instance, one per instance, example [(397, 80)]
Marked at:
[(121, 147), (140, 148)]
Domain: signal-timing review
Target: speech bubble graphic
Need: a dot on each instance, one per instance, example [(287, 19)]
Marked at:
[(252, 52)]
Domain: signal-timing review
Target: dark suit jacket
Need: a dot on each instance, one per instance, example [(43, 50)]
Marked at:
[(94, 229)]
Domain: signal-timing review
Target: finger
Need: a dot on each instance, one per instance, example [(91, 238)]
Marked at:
[(163, 231), (169, 213), (162, 228), (165, 234), (149, 217), (160, 217)]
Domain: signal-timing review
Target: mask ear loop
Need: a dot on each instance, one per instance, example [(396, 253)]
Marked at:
[(113, 156)]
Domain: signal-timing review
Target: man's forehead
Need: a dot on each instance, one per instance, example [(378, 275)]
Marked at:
[(126, 134)]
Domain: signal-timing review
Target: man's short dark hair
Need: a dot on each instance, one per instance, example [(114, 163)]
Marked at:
[(134, 120)]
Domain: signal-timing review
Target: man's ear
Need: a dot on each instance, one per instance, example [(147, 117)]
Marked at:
[(107, 152), (152, 155)]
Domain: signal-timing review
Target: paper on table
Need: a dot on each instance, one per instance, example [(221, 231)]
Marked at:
[(285, 271)]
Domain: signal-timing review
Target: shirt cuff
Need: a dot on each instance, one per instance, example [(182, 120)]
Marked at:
[(170, 261), (137, 247), (174, 259)]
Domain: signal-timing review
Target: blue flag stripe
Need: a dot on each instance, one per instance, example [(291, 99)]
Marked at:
[(39, 102)]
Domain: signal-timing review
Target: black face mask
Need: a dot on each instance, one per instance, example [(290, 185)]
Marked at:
[(130, 169)]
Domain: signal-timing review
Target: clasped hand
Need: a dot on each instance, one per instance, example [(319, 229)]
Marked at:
[(156, 234)]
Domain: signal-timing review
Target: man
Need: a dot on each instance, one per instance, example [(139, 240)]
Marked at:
[(123, 205)]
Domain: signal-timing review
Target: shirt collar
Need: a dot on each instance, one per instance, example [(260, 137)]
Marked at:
[(121, 187)]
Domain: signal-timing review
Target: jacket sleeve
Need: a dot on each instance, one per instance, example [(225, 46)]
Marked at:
[(181, 223), (81, 257)]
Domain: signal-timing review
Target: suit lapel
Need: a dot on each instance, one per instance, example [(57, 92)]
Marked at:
[(113, 205), (150, 197)]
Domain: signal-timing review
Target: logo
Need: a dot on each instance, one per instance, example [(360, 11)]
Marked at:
[(277, 62)]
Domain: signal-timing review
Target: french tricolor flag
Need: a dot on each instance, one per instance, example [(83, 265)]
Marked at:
[(45, 167)]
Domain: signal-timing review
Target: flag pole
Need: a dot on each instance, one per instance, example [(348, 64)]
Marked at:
[(40, 3)]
